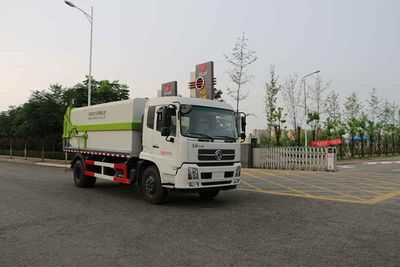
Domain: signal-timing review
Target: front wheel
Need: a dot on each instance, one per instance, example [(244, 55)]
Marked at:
[(80, 179), (209, 194), (152, 190)]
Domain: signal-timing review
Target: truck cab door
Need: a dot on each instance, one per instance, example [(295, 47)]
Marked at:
[(165, 148), (148, 130)]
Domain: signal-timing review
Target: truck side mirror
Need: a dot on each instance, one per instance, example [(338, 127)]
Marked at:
[(185, 109), (166, 121), (243, 126), (243, 122)]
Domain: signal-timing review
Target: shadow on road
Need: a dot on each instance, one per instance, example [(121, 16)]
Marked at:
[(132, 193)]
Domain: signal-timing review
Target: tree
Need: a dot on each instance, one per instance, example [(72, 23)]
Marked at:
[(392, 127), (6, 127), (371, 131), (352, 107), (385, 117), (9, 126), (313, 117), (279, 119), (317, 96), (271, 91), (107, 91), (352, 112), (44, 113), (218, 95), (41, 118), (372, 126), (361, 130), (5, 124), (102, 92), (292, 97), (332, 110), (240, 60), (373, 104)]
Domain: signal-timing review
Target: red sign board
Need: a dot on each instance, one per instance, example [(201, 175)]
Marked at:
[(324, 143), (169, 89), (335, 142), (205, 85)]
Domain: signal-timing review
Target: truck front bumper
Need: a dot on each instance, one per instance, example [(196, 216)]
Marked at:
[(208, 177)]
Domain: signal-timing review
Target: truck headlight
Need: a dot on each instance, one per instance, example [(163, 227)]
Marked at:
[(193, 173), (238, 171)]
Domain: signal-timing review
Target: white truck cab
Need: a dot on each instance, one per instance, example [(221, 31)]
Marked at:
[(186, 144), (200, 149)]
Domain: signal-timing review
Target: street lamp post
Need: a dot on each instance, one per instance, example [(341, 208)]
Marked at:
[(90, 19), (305, 104)]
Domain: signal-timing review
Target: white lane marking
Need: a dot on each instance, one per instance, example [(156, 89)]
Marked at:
[(54, 165), (396, 170), (382, 162), (346, 166)]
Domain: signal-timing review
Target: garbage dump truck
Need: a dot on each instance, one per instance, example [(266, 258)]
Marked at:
[(161, 144)]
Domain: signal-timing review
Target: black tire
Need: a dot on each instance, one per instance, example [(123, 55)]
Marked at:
[(80, 179), (152, 191), (208, 194)]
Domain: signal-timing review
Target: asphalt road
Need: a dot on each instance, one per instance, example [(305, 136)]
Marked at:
[(353, 183), (46, 220)]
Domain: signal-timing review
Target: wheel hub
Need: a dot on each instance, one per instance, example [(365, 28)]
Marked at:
[(150, 185)]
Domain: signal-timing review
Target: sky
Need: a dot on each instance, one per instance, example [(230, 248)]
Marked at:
[(356, 44)]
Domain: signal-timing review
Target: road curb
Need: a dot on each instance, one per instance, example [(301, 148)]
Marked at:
[(65, 166), (36, 161)]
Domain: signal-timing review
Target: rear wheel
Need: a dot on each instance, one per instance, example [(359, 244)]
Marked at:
[(209, 194), (152, 190), (80, 179)]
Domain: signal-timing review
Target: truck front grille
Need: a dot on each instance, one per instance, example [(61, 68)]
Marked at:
[(209, 154)]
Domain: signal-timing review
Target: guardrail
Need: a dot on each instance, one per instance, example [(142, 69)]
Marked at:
[(295, 158)]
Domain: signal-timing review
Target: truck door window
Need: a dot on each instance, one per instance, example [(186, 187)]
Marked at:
[(173, 123), (150, 117)]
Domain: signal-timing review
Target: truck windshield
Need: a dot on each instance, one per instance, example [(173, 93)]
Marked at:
[(209, 123)]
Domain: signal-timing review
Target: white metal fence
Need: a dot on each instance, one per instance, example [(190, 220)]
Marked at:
[(295, 158)]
